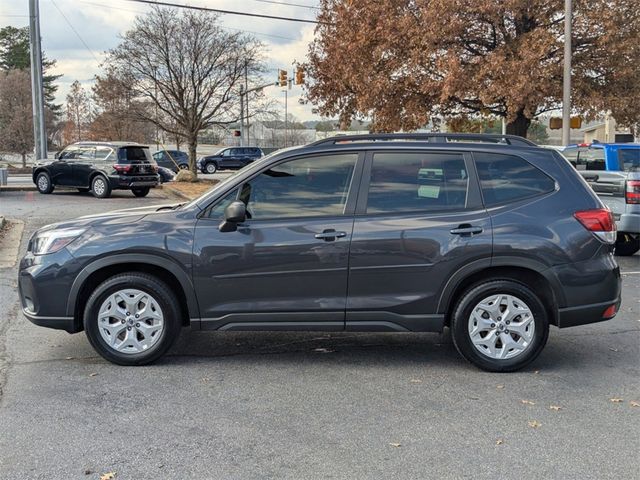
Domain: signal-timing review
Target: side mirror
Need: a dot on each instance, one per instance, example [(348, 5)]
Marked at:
[(236, 212)]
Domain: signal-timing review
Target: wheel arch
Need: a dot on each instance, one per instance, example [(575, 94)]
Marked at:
[(38, 171), (164, 269), (529, 273)]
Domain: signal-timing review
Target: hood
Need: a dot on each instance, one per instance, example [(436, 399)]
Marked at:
[(115, 217)]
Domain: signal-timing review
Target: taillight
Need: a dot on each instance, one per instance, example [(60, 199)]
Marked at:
[(632, 191), (122, 168), (600, 222)]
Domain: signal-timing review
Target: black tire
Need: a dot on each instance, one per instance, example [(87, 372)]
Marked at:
[(462, 313), (43, 183), (141, 192), (627, 244), (183, 166), (211, 167), (83, 190), (100, 187), (146, 283)]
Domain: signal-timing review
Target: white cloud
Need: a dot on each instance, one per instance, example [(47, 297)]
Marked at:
[(100, 22)]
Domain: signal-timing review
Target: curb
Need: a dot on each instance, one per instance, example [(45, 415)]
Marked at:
[(174, 192), (18, 188)]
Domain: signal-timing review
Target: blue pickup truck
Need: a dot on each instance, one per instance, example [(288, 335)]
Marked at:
[(613, 171)]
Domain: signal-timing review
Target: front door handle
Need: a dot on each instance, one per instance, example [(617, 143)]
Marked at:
[(329, 235), (466, 230)]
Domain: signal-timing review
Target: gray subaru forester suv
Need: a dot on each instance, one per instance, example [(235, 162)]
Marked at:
[(490, 236)]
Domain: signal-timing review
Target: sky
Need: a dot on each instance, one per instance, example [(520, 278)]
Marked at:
[(99, 23)]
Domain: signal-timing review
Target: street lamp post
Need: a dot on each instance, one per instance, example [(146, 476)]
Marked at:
[(566, 82), (37, 96)]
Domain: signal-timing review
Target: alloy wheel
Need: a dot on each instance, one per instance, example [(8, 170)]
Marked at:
[(501, 326), (130, 321)]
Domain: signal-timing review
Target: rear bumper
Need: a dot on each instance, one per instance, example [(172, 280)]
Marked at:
[(134, 181), (585, 314), (629, 223)]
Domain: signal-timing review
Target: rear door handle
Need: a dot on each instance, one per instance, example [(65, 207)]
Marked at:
[(330, 235), (466, 229)]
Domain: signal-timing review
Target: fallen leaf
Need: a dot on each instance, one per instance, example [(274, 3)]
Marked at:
[(555, 407), (613, 349), (537, 372), (415, 380), (616, 400), (108, 476), (395, 445), (499, 387), (69, 358), (93, 374), (323, 350), (499, 442), (634, 404), (527, 402), (88, 472), (534, 424)]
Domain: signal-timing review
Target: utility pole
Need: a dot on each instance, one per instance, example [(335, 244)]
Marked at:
[(286, 119), (246, 101), (37, 93), (241, 115), (566, 82)]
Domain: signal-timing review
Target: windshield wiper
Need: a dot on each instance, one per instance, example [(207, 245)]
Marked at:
[(170, 207)]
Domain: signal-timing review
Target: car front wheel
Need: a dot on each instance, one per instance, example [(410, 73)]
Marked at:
[(500, 325), (211, 168), (132, 319), (43, 183)]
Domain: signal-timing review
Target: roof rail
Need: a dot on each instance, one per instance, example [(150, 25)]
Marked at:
[(429, 137)]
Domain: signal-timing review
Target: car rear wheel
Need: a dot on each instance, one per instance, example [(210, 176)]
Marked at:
[(141, 192), (211, 167), (43, 183), (100, 187), (132, 319), (627, 244), (500, 325)]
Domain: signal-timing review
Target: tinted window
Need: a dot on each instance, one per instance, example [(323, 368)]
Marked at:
[(306, 187), (69, 153), (629, 159), (592, 159), (133, 154), (405, 182), (507, 178)]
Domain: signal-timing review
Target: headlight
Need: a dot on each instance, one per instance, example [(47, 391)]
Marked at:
[(53, 240)]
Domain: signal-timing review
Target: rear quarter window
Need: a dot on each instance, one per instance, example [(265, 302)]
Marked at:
[(629, 159), (507, 178)]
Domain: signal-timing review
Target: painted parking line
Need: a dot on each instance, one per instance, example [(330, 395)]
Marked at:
[(630, 273)]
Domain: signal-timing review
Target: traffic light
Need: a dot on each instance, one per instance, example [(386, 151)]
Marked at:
[(555, 123), (575, 122), (299, 76), (282, 78)]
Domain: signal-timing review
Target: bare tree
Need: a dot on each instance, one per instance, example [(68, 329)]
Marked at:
[(78, 113), (188, 67), (16, 128)]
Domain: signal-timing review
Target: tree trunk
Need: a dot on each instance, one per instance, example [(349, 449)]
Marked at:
[(193, 144), (519, 126)]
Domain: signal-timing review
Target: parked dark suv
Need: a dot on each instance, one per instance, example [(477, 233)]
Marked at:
[(172, 159), (229, 158), (99, 167), (492, 237)]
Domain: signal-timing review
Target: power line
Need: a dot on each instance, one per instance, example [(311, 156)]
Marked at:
[(75, 31), (226, 12), (221, 26), (288, 4)]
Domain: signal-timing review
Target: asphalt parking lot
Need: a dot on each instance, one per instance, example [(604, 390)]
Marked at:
[(307, 406)]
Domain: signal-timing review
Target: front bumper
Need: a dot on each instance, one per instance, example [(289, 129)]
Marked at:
[(58, 323)]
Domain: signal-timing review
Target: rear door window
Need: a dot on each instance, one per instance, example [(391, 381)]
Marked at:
[(629, 159), (507, 178), (408, 182), (593, 159)]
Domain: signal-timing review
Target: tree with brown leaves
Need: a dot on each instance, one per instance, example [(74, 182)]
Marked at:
[(402, 62)]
